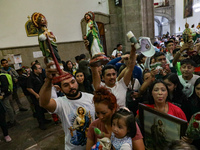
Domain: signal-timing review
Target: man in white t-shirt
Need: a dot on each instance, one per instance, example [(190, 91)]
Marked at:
[(75, 109), (116, 51), (187, 78), (109, 75)]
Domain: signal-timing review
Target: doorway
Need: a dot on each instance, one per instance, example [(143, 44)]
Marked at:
[(161, 25), (102, 36)]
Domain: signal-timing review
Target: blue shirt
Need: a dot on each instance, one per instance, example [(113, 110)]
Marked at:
[(137, 72)]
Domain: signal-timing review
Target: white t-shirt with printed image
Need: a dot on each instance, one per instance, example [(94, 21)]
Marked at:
[(76, 116)]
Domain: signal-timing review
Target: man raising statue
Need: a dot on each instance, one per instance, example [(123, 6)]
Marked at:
[(92, 41)]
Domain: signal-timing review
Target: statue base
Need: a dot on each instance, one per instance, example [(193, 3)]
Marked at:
[(98, 60), (54, 66), (61, 77)]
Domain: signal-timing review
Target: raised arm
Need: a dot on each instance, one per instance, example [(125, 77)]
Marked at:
[(178, 54), (121, 75), (114, 61), (146, 84), (45, 92), (96, 79), (130, 66)]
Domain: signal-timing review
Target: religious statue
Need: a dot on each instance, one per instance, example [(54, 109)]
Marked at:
[(40, 22), (188, 38), (187, 34), (92, 41)]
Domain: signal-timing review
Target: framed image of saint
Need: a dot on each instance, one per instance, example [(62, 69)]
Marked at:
[(159, 128)]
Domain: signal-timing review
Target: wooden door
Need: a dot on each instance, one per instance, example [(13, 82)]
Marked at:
[(102, 36)]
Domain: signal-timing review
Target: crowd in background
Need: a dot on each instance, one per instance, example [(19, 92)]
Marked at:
[(172, 87)]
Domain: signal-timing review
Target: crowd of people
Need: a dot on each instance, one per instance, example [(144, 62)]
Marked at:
[(107, 97)]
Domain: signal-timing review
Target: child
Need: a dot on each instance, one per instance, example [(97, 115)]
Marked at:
[(123, 129), (187, 78)]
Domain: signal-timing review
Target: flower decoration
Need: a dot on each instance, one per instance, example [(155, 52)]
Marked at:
[(195, 125), (193, 130), (197, 117)]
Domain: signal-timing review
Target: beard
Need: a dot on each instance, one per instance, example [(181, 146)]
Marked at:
[(72, 95)]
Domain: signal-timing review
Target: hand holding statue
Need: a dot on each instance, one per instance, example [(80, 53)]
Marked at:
[(92, 41)]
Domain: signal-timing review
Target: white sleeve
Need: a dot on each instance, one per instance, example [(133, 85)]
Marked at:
[(114, 53), (121, 82), (136, 85), (59, 104), (126, 146)]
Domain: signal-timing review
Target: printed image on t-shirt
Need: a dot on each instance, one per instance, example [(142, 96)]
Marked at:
[(81, 122)]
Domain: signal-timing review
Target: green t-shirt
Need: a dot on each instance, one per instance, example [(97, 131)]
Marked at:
[(178, 66)]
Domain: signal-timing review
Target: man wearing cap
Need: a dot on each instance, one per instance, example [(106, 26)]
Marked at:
[(75, 109)]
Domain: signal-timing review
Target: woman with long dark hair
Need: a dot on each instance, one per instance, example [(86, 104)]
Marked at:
[(83, 82), (193, 106), (176, 95), (159, 98), (69, 67)]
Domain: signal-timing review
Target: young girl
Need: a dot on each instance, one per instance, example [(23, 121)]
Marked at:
[(123, 129), (176, 95), (84, 84)]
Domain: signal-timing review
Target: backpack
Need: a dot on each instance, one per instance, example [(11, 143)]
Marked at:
[(9, 78)]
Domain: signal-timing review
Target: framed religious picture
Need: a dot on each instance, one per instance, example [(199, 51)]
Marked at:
[(31, 30), (187, 8), (159, 128)]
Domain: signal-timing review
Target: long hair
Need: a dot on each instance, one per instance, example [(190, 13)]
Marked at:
[(86, 82), (194, 95), (151, 99), (66, 67), (177, 93)]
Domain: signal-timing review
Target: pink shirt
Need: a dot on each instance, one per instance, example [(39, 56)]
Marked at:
[(98, 124)]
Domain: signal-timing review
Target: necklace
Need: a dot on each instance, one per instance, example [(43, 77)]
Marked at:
[(155, 107)]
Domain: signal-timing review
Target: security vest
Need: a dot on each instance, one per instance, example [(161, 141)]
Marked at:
[(9, 78)]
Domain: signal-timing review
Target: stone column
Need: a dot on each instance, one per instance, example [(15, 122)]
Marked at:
[(134, 15)]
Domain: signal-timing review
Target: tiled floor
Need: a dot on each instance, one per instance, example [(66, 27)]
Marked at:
[(27, 136)]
